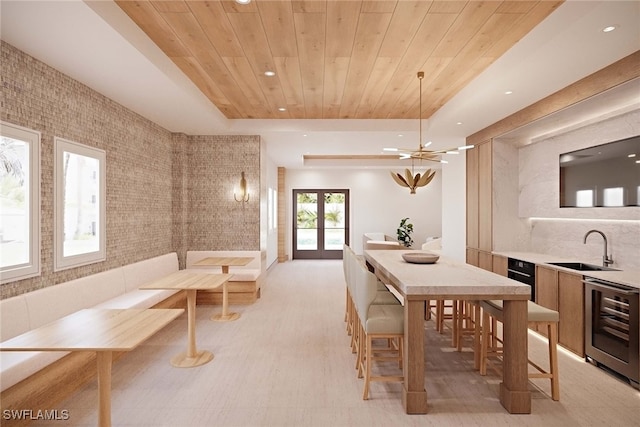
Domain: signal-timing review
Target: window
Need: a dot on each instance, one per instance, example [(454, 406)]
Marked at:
[(79, 174), (584, 198), (19, 202), (614, 196)]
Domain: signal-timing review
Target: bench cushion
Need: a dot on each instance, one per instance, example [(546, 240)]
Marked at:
[(14, 317), (141, 298), (138, 273), (51, 303), (101, 287)]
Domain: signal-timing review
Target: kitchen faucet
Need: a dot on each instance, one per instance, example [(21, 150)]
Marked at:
[(606, 259)]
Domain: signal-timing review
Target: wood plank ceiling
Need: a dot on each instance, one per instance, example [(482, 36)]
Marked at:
[(333, 59)]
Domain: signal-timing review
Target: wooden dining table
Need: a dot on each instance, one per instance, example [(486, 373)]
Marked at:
[(224, 263), (192, 282), (448, 279), (102, 331)]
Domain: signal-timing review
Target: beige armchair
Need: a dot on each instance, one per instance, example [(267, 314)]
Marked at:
[(380, 241)]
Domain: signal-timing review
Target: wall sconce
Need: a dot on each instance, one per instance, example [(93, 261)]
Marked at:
[(244, 193)]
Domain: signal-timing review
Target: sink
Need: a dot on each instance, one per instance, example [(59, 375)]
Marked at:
[(580, 266)]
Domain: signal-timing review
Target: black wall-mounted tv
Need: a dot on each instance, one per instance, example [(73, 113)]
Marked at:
[(606, 175)]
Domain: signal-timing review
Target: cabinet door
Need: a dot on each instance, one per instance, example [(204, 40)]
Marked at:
[(485, 260), (571, 308), (546, 290), (472, 257), (472, 198), (485, 185), (499, 265)]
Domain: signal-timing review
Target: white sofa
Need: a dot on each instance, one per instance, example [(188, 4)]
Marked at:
[(245, 285), (115, 288), (380, 241)]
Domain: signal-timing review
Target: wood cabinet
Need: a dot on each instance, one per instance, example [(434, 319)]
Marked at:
[(485, 260), (571, 309), (472, 198), (563, 292), (479, 199), (546, 290), (499, 265), (485, 185), (472, 256)]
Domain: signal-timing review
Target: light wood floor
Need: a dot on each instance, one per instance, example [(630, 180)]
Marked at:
[(286, 362)]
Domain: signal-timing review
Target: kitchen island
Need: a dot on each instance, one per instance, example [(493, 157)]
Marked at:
[(452, 280)]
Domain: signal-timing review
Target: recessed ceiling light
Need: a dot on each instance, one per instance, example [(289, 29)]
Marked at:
[(609, 29), (304, 134), (243, 1), (459, 123), (631, 155), (282, 109), (509, 92), (400, 135), (269, 73)]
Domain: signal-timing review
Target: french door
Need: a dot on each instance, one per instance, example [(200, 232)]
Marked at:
[(320, 223)]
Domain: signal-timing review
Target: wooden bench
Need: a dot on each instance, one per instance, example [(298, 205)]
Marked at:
[(39, 380), (245, 285)]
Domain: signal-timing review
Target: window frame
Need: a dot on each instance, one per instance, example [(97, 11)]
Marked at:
[(61, 262), (33, 267)]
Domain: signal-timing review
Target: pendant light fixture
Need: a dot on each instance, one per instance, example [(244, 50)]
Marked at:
[(413, 180)]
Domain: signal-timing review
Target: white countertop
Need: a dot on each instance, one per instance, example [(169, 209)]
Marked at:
[(445, 278), (629, 277)]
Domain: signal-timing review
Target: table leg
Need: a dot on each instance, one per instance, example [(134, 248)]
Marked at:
[(104, 359), (192, 357), (414, 395), (225, 316), (514, 393)]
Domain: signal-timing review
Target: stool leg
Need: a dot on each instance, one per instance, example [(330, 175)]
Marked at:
[(477, 329), (553, 360), (454, 322), (484, 342)]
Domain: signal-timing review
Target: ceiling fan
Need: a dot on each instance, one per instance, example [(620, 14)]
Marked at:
[(420, 180)]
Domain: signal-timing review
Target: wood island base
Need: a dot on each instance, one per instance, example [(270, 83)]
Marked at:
[(414, 402)]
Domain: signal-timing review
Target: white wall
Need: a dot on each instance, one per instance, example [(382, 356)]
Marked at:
[(271, 222), (377, 203), (454, 207)]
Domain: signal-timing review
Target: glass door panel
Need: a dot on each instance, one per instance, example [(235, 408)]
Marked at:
[(321, 223), (306, 222)]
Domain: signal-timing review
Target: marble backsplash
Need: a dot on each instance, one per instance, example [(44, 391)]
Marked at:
[(564, 238)]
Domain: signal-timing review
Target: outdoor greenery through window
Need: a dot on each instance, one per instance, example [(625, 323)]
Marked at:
[(80, 204), (19, 202), (333, 226)]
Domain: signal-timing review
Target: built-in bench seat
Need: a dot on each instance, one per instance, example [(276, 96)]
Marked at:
[(25, 377), (244, 286)]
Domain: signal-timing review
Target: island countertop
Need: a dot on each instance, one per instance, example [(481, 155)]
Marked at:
[(446, 278)]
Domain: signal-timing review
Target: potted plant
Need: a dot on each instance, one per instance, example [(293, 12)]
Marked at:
[(404, 232)]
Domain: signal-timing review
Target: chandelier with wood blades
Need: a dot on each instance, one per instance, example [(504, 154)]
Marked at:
[(413, 180)]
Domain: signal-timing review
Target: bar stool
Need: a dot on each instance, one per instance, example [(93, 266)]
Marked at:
[(468, 324), (377, 321), (536, 316)]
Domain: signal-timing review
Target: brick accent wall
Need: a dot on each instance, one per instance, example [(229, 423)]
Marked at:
[(216, 220), (165, 192)]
